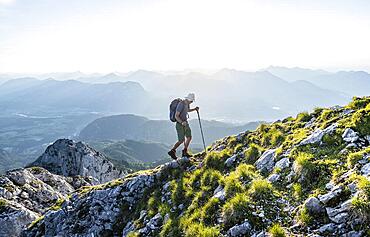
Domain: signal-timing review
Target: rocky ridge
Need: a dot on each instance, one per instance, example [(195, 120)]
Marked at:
[(302, 176)]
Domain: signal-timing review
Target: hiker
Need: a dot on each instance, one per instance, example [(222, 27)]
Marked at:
[(179, 113)]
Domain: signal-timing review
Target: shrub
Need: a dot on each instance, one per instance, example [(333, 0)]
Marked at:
[(303, 117), (236, 210), (276, 231), (251, 154), (261, 189)]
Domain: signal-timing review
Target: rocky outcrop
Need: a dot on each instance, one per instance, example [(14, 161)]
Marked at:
[(103, 210), (68, 158), (28, 193)]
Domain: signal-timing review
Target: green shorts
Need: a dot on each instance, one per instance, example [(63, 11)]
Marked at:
[(183, 131)]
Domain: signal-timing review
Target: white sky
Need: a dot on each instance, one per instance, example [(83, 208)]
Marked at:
[(113, 35)]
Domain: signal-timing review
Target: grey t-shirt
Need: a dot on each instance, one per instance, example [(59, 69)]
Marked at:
[(183, 108)]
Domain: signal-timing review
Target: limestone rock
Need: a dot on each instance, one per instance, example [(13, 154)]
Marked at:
[(283, 163), (266, 161), (314, 206), (350, 136), (68, 158), (239, 230), (317, 135)]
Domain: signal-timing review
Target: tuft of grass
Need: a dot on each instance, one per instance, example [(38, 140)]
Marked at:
[(360, 121), (359, 103), (251, 154), (171, 228), (200, 230), (33, 223), (361, 203), (276, 231), (304, 216), (303, 117), (297, 191), (354, 157), (215, 160), (236, 210), (211, 179), (261, 189), (209, 211), (57, 205)]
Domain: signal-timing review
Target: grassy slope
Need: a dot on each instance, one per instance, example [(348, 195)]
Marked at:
[(248, 194), (186, 199)]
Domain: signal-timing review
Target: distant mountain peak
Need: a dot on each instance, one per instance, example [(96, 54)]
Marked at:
[(69, 158)]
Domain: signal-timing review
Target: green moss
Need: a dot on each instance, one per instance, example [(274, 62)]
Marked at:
[(276, 231)]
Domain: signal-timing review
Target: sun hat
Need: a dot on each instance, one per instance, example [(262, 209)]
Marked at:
[(190, 97)]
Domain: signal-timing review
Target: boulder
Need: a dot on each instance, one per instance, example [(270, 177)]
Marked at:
[(317, 135), (350, 136), (239, 230), (365, 170), (314, 206), (230, 161), (266, 161), (283, 163)]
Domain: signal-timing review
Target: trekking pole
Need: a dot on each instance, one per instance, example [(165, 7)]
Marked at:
[(201, 131)]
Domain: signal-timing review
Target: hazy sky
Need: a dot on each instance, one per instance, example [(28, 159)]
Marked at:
[(124, 35)]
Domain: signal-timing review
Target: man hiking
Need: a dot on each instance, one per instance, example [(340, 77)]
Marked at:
[(180, 108)]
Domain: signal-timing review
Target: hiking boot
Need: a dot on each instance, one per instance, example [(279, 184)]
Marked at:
[(172, 153), (185, 153)]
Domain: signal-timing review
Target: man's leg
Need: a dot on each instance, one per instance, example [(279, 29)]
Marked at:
[(177, 144), (180, 139), (187, 143)]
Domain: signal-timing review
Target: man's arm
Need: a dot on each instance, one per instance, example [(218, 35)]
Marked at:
[(177, 117), (196, 108)]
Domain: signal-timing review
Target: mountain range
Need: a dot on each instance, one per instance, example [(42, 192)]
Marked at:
[(133, 127)]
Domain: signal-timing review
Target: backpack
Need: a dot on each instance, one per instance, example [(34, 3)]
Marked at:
[(173, 107)]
